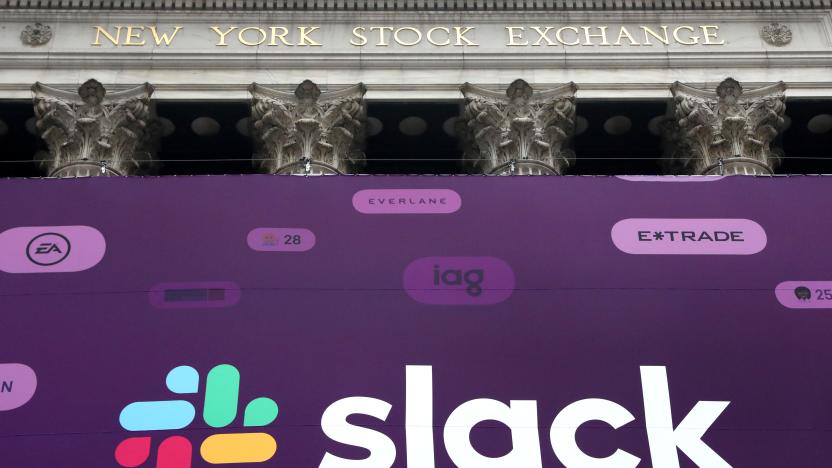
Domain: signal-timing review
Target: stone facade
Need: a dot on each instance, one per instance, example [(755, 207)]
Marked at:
[(195, 65), (417, 52)]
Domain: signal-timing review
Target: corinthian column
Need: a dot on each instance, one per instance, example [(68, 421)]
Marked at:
[(520, 132), (92, 133), (728, 131), (308, 132)]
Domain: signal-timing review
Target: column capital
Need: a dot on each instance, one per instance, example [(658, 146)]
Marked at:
[(309, 132), (520, 131), (90, 132), (728, 130)]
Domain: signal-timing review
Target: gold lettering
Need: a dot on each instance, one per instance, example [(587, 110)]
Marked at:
[(602, 35), (445, 30), (543, 35), (711, 35), (222, 35), (358, 33), (130, 35), (649, 32), (460, 36), (692, 40), (242, 38), (625, 33), (164, 37), (687, 35), (304, 39), (559, 36), (513, 35), (282, 36), (382, 41), (100, 30), (414, 30)]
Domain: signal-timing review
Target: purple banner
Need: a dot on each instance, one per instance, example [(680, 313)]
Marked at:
[(421, 322)]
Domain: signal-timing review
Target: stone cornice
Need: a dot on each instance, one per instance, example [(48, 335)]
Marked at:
[(383, 5), (196, 69)]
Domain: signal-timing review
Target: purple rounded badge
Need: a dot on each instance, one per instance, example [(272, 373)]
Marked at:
[(690, 178), (459, 280), (406, 201), (17, 385), (688, 236), (805, 294), (50, 249), (281, 239), (195, 295)]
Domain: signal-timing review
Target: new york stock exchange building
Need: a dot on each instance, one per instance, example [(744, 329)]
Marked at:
[(418, 87), (415, 233)]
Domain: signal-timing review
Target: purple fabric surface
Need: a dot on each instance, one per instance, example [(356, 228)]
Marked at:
[(315, 326)]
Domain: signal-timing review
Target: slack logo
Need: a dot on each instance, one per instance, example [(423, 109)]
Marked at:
[(423, 427), (524, 420), (222, 391), (459, 280)]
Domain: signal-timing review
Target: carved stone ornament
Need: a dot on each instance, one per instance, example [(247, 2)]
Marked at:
[(728, 131), (308, 132), (776, 34), (521, 132), (36, 34), (94, 133)]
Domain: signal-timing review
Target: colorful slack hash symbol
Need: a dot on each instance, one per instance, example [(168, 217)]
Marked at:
[(222, 391)]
